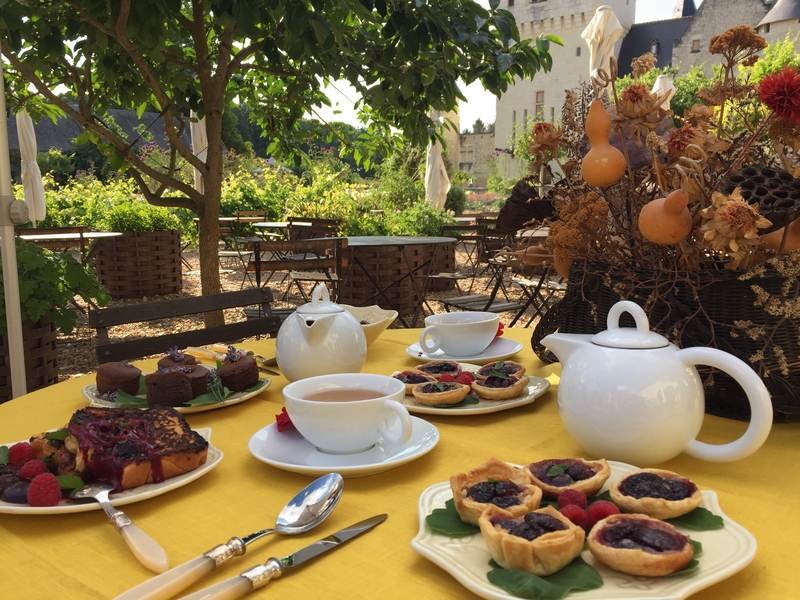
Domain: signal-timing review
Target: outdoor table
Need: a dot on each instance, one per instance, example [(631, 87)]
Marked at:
[(281, 228), (81, 556), (73, 240), (361, 243)]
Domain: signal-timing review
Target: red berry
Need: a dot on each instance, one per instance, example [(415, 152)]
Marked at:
[(601, 509), (577, 515), (20, 453), (44, 490), (568, 497), (465, 377), (31, 469), (446, 378)]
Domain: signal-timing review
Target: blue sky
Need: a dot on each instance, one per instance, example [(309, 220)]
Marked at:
[(481, 104)]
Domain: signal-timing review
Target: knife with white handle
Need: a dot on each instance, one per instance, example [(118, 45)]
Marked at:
[(261, 575)]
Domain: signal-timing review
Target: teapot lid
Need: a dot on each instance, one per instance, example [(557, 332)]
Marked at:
[(639, 337), (320, 303)]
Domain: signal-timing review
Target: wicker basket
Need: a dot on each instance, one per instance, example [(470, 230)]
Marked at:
[(717, 309), (41, 357)]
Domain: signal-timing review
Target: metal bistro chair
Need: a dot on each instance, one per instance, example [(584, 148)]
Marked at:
[(109, 350), (489, 302)]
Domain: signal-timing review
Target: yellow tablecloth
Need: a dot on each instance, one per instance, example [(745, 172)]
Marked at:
[(81, 556)]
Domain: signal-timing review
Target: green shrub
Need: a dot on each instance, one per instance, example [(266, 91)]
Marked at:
[(418, 219), (57, 165), (456, 200)]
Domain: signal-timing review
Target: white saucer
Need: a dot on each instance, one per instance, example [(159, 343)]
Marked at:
[(500, 349), (290, 451)]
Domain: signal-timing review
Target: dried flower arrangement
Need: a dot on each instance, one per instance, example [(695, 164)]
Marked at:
[(661, 213)]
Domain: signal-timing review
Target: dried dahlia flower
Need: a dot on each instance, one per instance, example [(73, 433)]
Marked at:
[(738, 45), (679, 139), (582, 216), (781, 93), (699, 116), (545, 141), (638, 112), (731, 224), (643, 64)]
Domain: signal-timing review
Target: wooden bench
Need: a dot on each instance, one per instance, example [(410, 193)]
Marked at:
[(103, 318)]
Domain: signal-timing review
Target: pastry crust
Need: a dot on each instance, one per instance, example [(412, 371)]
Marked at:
[(500, 393), (588, 486), (453, 393), (415, 376), (469, 509), (437, 368), (508, 367), (658, 508), (542, 556), (635, 561)]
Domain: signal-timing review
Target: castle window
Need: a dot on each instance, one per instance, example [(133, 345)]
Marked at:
[(539, 108), (511, 2), (695, 45), (654, 46), (578, 51), (553, 115)]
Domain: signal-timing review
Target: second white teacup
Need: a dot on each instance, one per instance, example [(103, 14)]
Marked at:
[(459, 333), (345, 413)]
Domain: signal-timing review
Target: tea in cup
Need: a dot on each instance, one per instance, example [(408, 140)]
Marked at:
[(345, 413), (459, 333)]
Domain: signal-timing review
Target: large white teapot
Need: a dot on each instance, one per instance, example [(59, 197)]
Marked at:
[(628, 394), (320, 338)]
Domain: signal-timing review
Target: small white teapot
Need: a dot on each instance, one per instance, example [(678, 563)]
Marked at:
[(320, 338), (630, 395)]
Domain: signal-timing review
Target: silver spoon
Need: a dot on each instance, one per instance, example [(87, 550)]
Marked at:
[(303, 512), (145, 548)]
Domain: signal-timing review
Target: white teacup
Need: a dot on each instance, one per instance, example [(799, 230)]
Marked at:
[(345, 413), (459, 333)]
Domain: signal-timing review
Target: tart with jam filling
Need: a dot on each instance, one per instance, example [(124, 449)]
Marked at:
[(540, 542), (657, 493), (438, 393), (500, 388), (494, 483), (555, 475), (639, 545), (412, 378), (506, 367), (437, 368)]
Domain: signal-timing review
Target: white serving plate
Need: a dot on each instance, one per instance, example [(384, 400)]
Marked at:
[(290, 451), (500, 349), (535, 388), (96, 399), (725, 552), (137, 494)]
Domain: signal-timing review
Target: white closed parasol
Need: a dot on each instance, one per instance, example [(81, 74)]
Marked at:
[(31, 175), (664, 87), (437, 183), (600, 35), (199, 148)]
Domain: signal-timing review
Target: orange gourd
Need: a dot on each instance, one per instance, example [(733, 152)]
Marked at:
[(603, 165), (773, 240), (666, 220)]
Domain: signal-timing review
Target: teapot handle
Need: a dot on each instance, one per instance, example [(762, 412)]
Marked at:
[(757, 394), (320, 293)]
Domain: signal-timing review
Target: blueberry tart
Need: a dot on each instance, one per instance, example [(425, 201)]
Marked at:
[(494, 483), (500, 388), (437, 368), (437, 393), (657, 493), (555, 475), (540, 542), (506, 367), (412, 378), (639, 545)]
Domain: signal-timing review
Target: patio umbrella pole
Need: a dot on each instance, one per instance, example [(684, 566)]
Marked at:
[(16, 355)]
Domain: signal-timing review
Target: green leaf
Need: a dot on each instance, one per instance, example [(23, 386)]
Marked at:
[(125, 400), (556, 470), (576, 576), (468, 399), (555, 39), (447, 521), (59, 435), (700, 519), (493, 4), (3, 455), (69, 482)]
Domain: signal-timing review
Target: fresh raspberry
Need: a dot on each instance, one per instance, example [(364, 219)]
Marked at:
[(465, 377), (44, 490), (446, 378), (20, 453), (31, 469), (568, 497), (601, 509), (577, 515)]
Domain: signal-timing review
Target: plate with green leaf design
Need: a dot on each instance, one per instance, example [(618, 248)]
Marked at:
[(473, 405), (216, 397)]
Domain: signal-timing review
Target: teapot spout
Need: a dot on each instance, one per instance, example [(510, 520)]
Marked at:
[(564, 344)]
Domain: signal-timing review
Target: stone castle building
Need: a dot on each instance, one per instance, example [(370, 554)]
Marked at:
[(681, 41)]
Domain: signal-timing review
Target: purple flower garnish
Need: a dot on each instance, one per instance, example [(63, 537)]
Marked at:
[(175, 354), (233, 354)]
